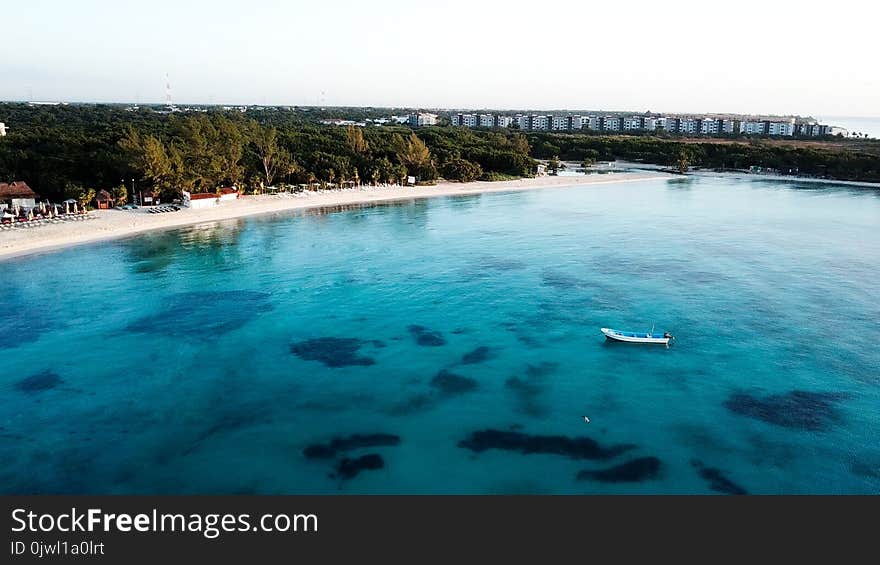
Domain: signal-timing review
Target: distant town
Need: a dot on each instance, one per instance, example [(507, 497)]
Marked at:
[(705, 125), (614, 122)]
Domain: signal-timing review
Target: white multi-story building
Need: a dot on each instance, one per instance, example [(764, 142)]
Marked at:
[(503, 121), (694, 125), (611, 123), (2, 129), (689, 125), (540, 122), (422, 119), (632, 123), (710, 126), (469, 120), (486, 120), (752, 128), (780, 128)]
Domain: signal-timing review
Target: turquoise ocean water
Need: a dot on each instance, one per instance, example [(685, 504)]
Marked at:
[(227, 358)]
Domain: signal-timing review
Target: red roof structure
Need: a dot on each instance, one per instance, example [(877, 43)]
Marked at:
[(16, 189)]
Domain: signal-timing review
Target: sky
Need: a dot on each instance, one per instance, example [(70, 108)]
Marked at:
[(764, 57)]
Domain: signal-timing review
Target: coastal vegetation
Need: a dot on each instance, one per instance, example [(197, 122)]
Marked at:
[(68, 151)]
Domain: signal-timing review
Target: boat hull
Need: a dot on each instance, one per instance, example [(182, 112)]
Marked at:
[(631, 337)]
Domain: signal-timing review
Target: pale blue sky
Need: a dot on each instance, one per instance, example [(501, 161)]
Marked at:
[(676, 55)]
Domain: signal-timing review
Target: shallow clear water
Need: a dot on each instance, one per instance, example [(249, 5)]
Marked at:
[(180, 362)]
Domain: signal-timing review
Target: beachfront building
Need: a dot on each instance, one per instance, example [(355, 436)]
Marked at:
[(685, 125), (710, 126), (503, 121), (17, 195), (611, 123), (780, 128), (468, 120), (201, 200), (749, 127), (228, 193), (419, 119), (149, 198), (2, 129), (539, 122), (689, 126), (104, 200), (632, 123), (486, 120)]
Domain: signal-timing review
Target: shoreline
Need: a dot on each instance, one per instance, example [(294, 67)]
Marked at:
[(119, 224), (744, 175)]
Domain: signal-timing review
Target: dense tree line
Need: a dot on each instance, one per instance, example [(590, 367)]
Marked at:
[(63, 151)]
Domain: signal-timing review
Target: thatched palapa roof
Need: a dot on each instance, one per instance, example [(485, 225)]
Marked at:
[(16, 189)]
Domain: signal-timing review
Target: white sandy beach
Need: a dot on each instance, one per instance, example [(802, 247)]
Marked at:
[(111, 224)]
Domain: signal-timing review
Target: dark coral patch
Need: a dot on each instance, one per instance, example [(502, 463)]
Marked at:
[(716, 479), (558, 279), (500, 264), (527, 393), (332, 351), (38, 382), (414, 404), (18, 328), (478, 355), (427, 337), (572, 447), (529, 389), (632, 471), (814, 411), (449, 383), (350, 468), (348, 443), (205, 314)]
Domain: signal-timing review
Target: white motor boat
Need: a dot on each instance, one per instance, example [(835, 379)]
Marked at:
[(638, 337)]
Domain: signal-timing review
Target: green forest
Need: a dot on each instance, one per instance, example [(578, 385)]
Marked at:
[(62, 151)]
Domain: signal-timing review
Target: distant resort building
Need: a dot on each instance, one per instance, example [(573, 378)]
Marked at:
[(2, 129), (419, 119), (684, 125), (16, 195)]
